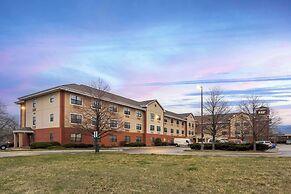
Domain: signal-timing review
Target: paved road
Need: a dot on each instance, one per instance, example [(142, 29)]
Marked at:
[(282, 151)]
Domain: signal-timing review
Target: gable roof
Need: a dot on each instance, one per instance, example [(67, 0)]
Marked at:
[(87, 91)]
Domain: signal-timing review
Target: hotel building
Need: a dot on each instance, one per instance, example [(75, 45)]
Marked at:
[(51, 115)]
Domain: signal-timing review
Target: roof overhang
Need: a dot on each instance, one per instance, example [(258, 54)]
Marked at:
[(24, 130)]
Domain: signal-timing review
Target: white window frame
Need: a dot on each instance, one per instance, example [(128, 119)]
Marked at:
[(152, 114), (112, 105), (128, 110), (160, 128), (52, 116), (75, 137), (138, 124), (125, 124), (52, 99), (138, 114), (116, 124), (92, 104), (77, 96), (78, 115), (34, 121), (34, 103)]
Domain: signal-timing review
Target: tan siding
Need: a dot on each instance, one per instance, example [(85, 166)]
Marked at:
[(158, 111), (43, 110)]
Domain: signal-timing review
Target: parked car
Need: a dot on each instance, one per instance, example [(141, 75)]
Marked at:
[(182, 141), (268, 143), (288, 141), (3, 146)]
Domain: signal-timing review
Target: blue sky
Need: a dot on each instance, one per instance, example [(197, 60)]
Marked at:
[(149, 49)]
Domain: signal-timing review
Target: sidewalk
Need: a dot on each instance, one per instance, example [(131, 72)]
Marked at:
[(14, 153)]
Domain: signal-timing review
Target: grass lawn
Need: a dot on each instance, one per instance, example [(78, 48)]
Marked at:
[(122, 173)]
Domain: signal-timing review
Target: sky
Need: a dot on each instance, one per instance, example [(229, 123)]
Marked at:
[(150, 49)]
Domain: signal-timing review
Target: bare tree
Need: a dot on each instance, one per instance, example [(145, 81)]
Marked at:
[(260, 117), (7, 124), (98, 116), (217, 108)]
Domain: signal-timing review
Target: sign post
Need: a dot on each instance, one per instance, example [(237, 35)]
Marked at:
[(95, 136)]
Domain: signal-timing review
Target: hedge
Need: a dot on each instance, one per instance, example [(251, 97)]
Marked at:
[(158, 142), (37, 145), (80, 145), (230, 147), (134, 144)]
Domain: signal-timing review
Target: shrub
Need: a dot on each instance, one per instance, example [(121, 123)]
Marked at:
[(134, 144), (80, 145), (38, 145), (230, 147), (165, 143), (158, 142)]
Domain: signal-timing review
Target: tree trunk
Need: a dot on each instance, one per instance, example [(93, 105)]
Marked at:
[(96, 145), (213, 142), (255, 146)]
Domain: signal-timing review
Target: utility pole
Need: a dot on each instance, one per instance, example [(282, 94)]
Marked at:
[(202, 124)]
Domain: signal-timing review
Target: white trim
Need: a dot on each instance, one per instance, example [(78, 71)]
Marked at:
[(110, 123), (76, 114), (53, 117), (54, 99), (76, 104)]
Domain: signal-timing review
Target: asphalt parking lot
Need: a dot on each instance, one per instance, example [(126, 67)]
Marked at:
[(280, 151)]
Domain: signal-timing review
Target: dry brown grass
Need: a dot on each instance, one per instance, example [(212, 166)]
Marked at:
[(122, 173)]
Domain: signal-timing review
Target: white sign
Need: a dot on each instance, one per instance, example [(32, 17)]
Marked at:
[(95, 135)]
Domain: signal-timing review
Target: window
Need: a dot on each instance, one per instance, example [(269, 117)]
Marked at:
[(112, 108), (96, 104), (172, 130), (189, 132), (76, 137), (182, 123), (182, 131), (126, 111), (51, 137), (75, 118), (138, 126), (177, 131), (113, 123), (192, 125), (138, 114), (192, 132), (126, 125), (152, 127), (172, 120), (177, 122), (76, 100), (94, 121), (138, 139), (165, 120), (165, 130), (152, 116), (189, 124), (34, 103), (113, 138), (51, 117), (158, 128), (127, 139), (33, 120), (52, 99)]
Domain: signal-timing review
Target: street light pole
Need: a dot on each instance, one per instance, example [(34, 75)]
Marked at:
[(202, 124)]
